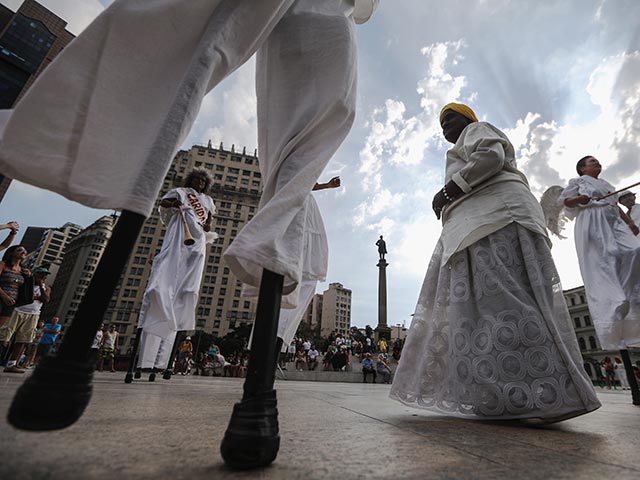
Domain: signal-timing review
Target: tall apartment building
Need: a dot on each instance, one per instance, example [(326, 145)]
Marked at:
[(313, 314), (51, 248), (236, 190), (336, 310), (588, 341), (29, 40), (81, 258), (31, 238)]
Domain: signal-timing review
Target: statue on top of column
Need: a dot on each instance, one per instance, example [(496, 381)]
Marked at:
[(382, 247)]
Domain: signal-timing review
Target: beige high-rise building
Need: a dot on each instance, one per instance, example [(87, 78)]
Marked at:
[(236, 190), (336, 310), (81, 258), (51, 248)]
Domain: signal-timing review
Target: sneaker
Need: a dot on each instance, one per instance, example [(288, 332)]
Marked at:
[(13, 369)]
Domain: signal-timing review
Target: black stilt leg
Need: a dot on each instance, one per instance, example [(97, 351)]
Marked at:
[(633, 383), (174, 350), (252, 439), (132, 360), (65, 380)]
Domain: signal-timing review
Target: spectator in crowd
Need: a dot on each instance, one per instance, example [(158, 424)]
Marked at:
[(50, 333), (108, 348), (301, 359), (397, 349), (383, 369), (327, 359), (95, 346), (348, 342), (291, 352), (368, 368), (382, 346), (367, 347), (33, 346), (340, 359), (24, 321), (13, 227), (12, 277), (609, 373), (312, 358), (185, 353), (306, 345), (621, 374)]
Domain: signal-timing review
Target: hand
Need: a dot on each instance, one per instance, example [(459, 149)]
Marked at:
[(438, 203), (13, 226), (334, 182), (26, 272), (7, 300)]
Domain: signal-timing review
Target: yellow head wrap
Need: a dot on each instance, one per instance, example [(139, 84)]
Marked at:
[(461, 109)]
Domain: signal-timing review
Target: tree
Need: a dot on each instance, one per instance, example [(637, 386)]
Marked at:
[(236, 340)]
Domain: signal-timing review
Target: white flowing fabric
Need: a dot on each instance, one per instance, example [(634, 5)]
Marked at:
[(609, 259), (306, 91), (491, 336), (102, 123), (171, 296), (154, 351)]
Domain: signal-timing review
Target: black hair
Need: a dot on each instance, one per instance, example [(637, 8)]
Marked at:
[(10, 251), (582, 163), (198, 174)]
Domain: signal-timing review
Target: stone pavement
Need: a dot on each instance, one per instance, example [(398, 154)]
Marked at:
[(173, 430)]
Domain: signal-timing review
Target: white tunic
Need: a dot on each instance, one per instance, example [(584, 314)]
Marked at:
[(171, 296), (609, 259), (482, 163)]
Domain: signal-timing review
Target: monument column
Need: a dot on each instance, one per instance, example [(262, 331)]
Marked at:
[(382, 330)]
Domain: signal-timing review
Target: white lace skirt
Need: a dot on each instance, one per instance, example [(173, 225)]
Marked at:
[(491, 336)]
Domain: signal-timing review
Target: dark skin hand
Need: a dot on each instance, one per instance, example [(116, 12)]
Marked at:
[(452, 123)]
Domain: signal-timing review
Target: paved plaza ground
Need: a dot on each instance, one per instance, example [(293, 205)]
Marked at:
[(173, 430)]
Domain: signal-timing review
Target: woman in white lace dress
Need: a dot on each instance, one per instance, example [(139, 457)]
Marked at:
[(491, 336)]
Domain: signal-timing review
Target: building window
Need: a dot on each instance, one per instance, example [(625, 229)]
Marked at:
[(582, 343), (592, 343), (576, 320), (587, 321)]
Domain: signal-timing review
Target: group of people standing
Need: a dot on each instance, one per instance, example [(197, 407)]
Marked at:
[(23, 338)]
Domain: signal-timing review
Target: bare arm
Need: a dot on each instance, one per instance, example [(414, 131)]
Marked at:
[(575, 201), (170, 203), (333, 183), (11, 236)]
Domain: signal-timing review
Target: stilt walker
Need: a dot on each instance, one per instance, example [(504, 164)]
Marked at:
[(104, 120), (171, 296)]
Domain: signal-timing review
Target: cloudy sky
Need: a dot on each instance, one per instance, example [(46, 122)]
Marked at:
[(560, 77)]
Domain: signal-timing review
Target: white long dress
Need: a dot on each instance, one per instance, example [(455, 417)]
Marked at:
[(491, 335), (171, 296), (609, 259)]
